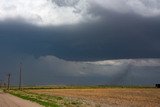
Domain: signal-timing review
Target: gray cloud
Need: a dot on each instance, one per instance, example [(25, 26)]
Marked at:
[(66, 2), (146, 8), (63, 53), (52, 70)]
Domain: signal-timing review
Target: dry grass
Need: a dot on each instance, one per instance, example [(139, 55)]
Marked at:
[(123, 97)]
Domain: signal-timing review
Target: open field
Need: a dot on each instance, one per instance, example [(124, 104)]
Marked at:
[(123, 97), (92, 97)]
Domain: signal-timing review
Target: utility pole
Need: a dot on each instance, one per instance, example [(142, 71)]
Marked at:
[(20, 76), (8, 86)]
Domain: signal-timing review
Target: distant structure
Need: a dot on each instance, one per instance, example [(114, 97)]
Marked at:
[(157, 85)]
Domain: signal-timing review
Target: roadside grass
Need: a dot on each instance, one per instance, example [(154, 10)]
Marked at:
[(1, 90), (41, 99), (46, 100)]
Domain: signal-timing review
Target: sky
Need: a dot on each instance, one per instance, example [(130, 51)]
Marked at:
[(80, 42)]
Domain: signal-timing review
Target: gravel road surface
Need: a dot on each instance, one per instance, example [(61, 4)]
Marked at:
[(7, 100)]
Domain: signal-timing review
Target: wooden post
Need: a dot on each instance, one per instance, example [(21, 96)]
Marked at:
[(20, 76), (0, 83), (8, 86)]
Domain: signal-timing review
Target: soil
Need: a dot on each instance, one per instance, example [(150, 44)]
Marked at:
[(110, 97)]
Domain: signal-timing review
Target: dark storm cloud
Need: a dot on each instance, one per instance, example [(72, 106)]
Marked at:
[(116, 36)]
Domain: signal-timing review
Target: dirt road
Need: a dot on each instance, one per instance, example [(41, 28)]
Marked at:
[(7, 100)]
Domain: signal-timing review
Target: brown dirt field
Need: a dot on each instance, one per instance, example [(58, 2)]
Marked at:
[(114, 97)]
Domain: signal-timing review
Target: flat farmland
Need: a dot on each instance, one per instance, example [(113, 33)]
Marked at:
[(109, 97)]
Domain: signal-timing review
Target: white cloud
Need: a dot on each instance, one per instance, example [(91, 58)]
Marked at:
[(59, 12), (147, 8), (45, 12), (133, 62)]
